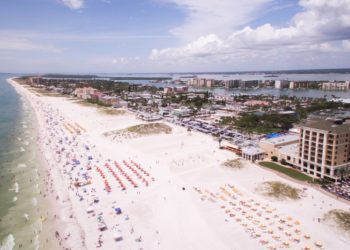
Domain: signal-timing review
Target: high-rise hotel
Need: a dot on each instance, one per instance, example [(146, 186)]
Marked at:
[(324, 148)]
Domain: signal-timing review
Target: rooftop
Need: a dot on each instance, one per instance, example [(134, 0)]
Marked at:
[(252, 150), (329, 126), (290, 150), (288, 138)]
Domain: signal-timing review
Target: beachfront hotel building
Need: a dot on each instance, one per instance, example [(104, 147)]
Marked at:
[(324, 148), (281, 84), (201, 82), (336, 85), (299, 85), (230, 84), (272, 146), (86, 93)]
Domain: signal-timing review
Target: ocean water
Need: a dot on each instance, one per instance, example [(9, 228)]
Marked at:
[(19, 193)]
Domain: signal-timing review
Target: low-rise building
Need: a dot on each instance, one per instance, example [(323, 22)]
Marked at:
[(289, 153), (253, 153), (85, 93), (271, 146), (110, 100), (252, 103), (176, 90)]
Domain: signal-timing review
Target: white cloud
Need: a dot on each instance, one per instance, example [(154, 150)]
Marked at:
[(320, 26), (221, 16), (74, 4)]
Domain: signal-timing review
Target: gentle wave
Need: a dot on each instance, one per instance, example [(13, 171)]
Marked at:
[(8, 243), (21, 165)]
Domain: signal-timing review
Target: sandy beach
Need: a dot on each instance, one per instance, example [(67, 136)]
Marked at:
[(166, 191)]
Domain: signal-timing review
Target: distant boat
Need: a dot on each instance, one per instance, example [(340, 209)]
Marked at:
[(271, 76)]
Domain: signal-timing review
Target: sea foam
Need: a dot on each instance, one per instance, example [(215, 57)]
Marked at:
[(21, 165), (8, 243)]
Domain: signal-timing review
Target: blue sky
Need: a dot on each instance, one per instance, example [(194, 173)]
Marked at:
[(91, 36)]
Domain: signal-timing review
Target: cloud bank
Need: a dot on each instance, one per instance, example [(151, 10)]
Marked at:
[(223, 16), (321, 26)]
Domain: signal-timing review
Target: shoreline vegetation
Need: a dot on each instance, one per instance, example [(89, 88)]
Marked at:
[(233, 164), (139, 131), (339, 218), (279, 190)]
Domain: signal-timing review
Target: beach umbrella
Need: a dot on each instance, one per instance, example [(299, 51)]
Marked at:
[(318, 244), (307, 236), (296, 238), (307, 248)]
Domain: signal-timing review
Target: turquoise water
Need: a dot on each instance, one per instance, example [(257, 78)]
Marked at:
[(19, 208)]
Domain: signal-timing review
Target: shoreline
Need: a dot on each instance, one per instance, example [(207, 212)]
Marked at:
[(55, 215), (180, 164)]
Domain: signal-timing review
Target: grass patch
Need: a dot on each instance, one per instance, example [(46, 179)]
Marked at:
[(340, 218), (279, 190), (86, 104), (44, 92), (139, 130), (287, 171), (112, 111), (150, 128), (235, 164)]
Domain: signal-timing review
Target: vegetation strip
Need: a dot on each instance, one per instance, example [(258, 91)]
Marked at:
[(287, 171)]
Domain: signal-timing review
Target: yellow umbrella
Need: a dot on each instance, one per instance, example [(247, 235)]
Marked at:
[(286, 243)]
